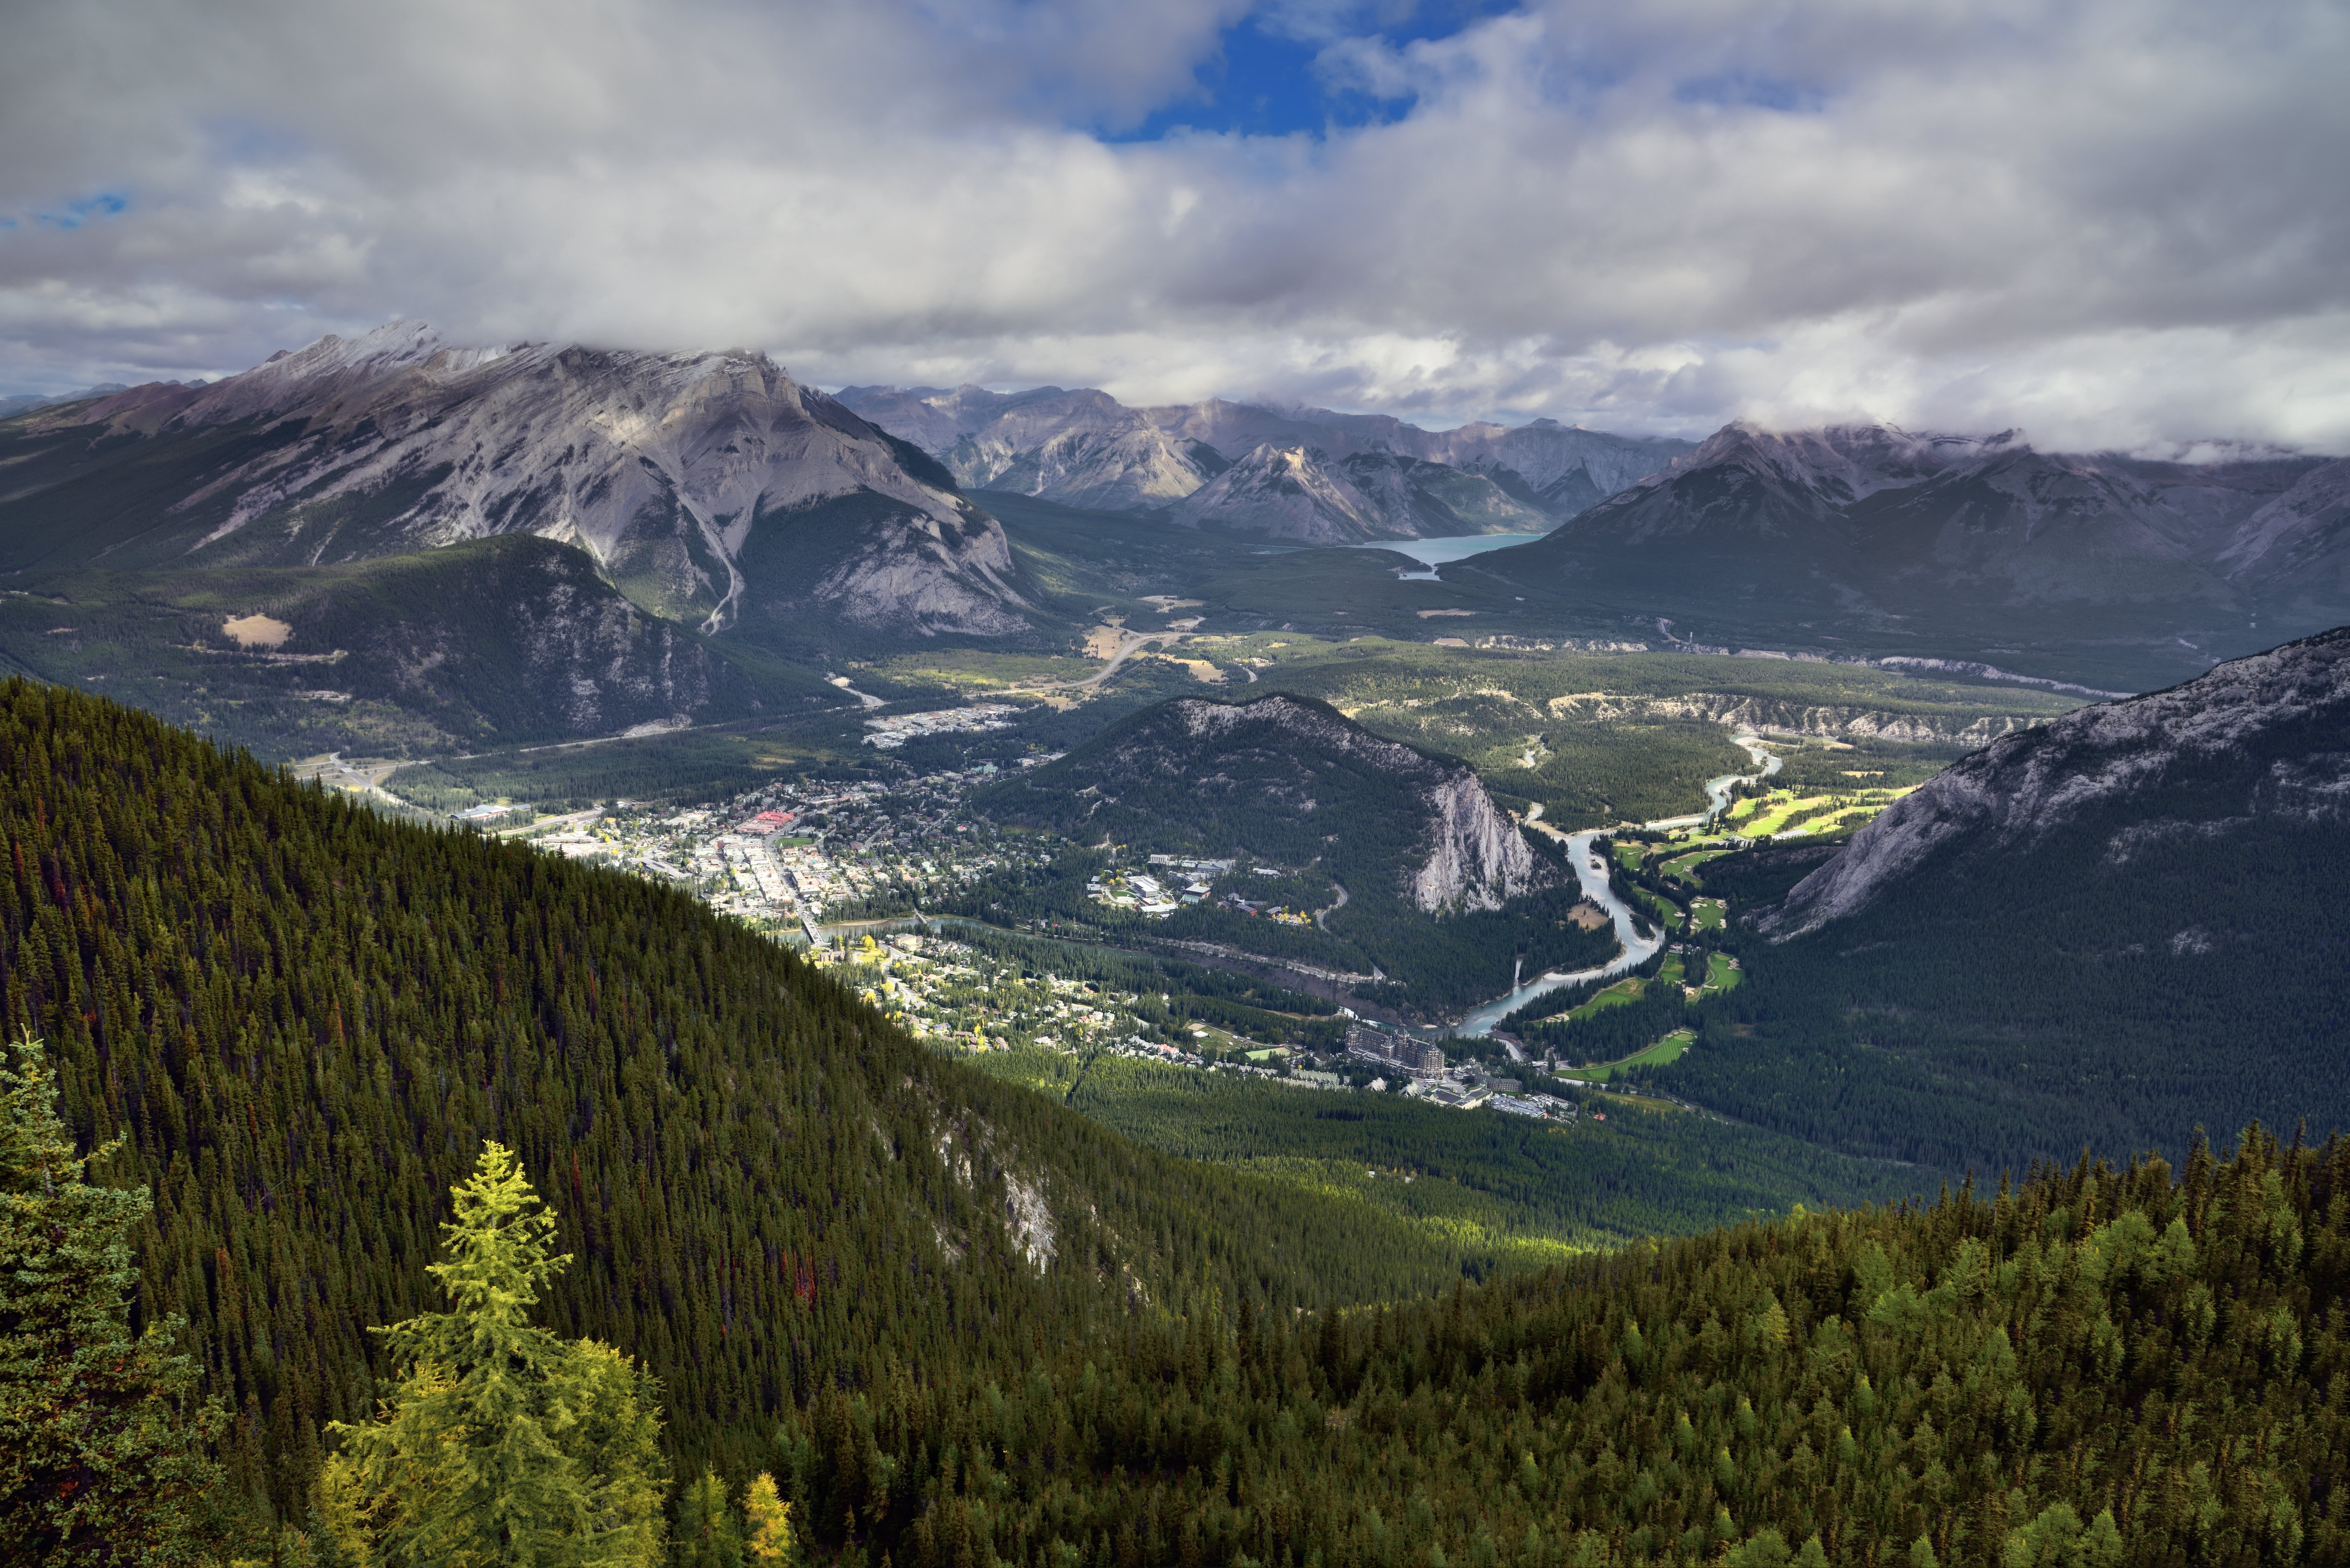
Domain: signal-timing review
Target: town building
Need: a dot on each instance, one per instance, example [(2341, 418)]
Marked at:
[(1416, 1057)]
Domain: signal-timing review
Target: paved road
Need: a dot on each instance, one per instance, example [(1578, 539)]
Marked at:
[(1129, 643)]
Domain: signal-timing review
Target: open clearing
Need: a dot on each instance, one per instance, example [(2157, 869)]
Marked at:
[(1668, 1049)]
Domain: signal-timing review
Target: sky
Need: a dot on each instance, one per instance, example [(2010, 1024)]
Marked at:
[(2113, 224)]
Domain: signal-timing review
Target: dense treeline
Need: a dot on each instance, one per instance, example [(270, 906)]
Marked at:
[(1613, 1033), (304, 1020), (2101, 1366), (1589, 1185), (1995, 1009)]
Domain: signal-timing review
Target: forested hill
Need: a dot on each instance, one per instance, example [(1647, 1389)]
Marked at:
[(964, 1327), (2105, 930), (306, 1019)]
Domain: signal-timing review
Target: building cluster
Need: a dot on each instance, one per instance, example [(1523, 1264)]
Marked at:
[(889, 734), (1147, 894), (1414, 1057)]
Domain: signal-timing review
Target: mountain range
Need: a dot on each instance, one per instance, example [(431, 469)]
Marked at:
[(711, 488), (1853, 536), (1311, 474)]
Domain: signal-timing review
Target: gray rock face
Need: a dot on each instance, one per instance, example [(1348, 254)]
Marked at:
[(1480, 858), (1084, 448), (2266, 736), (1289, 492), (1079, 449), (1283, 493), (662, 466), (2297, 547)]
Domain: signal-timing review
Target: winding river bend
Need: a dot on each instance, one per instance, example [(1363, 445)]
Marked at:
[(1637, 949), (1593, 874)]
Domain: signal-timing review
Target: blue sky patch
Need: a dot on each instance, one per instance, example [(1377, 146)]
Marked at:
[(1264, 82), (74, 214)]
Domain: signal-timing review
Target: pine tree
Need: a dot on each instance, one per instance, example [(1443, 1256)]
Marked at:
[(771, 1523), (501, 1445), (709, 1530), (102, 1458)]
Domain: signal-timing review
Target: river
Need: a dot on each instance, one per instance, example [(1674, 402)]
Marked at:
[(1717, 791), (1635, 951)]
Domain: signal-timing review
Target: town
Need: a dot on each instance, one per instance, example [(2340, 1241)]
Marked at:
[(849, 872)]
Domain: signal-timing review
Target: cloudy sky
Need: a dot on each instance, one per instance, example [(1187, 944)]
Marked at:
[(2115, 222)]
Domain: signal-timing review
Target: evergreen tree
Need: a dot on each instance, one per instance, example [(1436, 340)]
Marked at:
[(770, 1518), (502, 1444), (709, 1530), (101, 1459)]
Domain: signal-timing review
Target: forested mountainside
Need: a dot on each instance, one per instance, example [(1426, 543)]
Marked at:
[(1395, 834), (2100, 1366), (304, 1020), (1868, 537), (2105, 930), (962, 1326), (508, 641)]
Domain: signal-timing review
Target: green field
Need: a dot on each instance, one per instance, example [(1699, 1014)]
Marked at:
[(1684, 868), (1668, 1049), (1615, 995), (1708, 914)]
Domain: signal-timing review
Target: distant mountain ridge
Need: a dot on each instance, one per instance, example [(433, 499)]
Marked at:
[(711, 487), (1084, 448), (1287, 493), (1962, 545)]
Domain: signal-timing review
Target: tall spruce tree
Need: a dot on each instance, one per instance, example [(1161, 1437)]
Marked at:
[(102, 1453), (502, 1446)]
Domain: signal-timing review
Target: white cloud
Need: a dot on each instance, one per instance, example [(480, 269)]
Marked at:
[(2115, 222)]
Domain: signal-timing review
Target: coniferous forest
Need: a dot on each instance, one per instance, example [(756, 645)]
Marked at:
[(943, 1320)]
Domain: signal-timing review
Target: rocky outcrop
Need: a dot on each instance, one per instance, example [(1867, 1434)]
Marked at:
[(1294, 779), (2268, 735), (1480, 857), (667, 468), (1471, 855)]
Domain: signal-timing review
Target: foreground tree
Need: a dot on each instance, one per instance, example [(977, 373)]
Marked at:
[(502, 1446), (102, 1449)]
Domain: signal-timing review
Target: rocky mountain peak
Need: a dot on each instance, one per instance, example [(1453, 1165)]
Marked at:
[(688, 476)]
